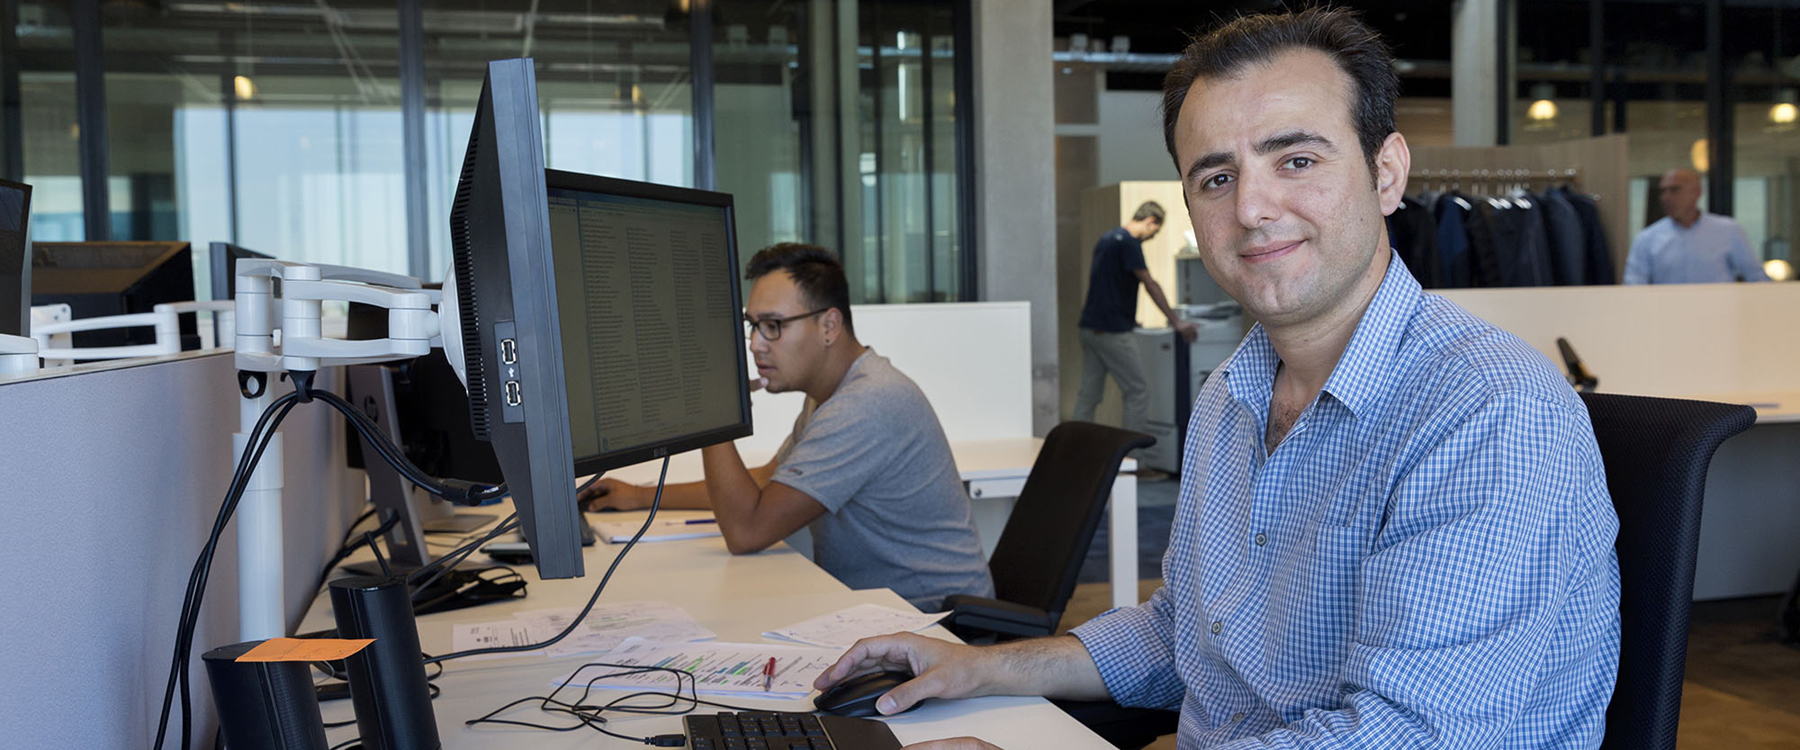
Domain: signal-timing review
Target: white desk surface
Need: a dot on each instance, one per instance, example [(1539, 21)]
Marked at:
[(1772, 407), (1000, 466), (737, 597)]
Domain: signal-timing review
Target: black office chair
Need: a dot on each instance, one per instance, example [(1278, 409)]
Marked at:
[(1047, 537), (1656, 453)]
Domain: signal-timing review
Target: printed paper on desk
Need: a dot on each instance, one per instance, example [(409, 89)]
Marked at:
[(608, 625), (663, 530), (845, 627), (467, 636), (718, 668)]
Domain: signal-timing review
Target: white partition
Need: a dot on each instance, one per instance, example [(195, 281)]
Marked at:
[(972, 360), (111, 476), (1673, 340)]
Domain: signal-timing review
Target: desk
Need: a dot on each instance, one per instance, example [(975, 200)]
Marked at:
[(1772, 407), (992, 471), (737, 597)]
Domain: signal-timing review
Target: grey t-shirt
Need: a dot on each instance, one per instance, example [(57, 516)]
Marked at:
[(897, 516)]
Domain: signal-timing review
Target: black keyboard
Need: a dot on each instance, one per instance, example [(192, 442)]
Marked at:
[(773, 731)]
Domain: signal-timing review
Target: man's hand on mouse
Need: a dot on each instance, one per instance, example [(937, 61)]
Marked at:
[(612, 494), (942, 669)]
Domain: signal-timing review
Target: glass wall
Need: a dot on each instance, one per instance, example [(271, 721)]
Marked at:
[(283, 127)]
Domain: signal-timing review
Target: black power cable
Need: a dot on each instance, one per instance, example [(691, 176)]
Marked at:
[(655, 503), (259, 438)]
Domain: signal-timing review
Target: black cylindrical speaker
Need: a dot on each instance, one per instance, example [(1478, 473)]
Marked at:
[(387, 679), (264, 704)]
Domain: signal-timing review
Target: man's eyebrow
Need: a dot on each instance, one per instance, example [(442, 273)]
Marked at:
[(1292, 138), (1277, 142)]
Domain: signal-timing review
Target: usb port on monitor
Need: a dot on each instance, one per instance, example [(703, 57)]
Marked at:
[(512, 393)]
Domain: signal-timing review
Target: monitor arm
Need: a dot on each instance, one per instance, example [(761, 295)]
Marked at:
[(279, 306)]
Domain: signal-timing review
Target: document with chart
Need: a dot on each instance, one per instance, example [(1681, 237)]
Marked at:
[(717, 668)]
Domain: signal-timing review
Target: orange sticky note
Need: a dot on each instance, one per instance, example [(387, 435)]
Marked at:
[(305, 649)]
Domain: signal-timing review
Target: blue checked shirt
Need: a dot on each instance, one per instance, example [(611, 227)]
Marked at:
[(1425, 561)]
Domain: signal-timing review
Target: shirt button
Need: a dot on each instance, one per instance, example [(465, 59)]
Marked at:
[(1217, 627), (1262, 539), (1237, 717)]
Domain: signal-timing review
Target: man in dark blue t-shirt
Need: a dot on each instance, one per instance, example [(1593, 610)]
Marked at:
[(1111, 313)]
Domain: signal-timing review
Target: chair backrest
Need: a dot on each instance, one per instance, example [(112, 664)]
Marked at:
[(1047, 536), (1656, 453)]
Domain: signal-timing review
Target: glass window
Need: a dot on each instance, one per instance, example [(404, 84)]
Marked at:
[(51, 135)]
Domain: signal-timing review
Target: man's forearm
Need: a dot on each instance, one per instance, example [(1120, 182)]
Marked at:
[(1055, 667), (1162, 303), (731, 488)]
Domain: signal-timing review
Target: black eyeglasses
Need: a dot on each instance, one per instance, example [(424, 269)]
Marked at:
[(770, 328)]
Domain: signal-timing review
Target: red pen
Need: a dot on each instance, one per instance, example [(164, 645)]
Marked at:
[(768, 673)]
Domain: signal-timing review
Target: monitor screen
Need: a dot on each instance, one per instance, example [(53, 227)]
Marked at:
[(649, 305), (223, 267), (115, 278), (15, 263)]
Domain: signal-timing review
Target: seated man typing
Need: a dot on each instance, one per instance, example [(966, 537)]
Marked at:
[(1394, 529), (867, 465)]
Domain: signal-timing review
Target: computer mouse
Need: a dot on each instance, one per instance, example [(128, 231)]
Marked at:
[(856, 696)]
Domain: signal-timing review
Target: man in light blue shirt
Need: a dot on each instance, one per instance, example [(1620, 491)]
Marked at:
[(1394, 528), (1689, 246)]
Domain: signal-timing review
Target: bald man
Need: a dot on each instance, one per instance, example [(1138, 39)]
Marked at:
[(1690, 246)]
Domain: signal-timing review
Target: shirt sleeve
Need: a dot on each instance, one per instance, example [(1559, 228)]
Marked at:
[(1133, 647), (1637, 264), (836, 456), (1493, 569), (1132, 257), (1743, 260)]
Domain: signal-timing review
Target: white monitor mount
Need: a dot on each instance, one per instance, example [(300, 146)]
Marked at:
[(278, 320)]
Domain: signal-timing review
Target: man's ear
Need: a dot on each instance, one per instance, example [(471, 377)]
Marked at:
[(832, 320), (1392, 163)]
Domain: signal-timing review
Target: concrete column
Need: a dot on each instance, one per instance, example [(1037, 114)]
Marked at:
[(1015, 177), (1474, 54)]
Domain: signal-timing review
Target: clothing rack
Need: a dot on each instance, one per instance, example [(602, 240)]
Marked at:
[(1488, 180)]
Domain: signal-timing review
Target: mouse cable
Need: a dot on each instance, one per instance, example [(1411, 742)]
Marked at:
[(591, 716), (655, 504)]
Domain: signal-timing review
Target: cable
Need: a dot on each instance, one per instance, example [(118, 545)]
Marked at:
[(458, 492), (259, 437), (655, 503), (592, 716), (352, 544)]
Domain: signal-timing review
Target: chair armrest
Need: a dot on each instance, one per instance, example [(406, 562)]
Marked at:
[(980, 615)]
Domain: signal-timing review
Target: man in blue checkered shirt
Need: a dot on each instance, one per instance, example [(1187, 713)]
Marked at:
[(1394, 529)]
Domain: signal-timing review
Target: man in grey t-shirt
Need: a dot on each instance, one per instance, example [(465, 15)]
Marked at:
[(867, 465)]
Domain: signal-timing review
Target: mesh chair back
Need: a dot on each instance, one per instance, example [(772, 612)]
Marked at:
[(1656, 453), (1045, 540)]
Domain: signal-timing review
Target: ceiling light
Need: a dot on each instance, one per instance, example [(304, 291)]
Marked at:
[(244, 88), (1778, 269)]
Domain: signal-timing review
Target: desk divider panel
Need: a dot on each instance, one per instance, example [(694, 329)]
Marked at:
[(112, 477)]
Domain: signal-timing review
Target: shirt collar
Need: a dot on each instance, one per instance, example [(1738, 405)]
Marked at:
[(1361, 374)]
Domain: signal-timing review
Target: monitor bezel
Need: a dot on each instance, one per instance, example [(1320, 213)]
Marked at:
[(601, 462)]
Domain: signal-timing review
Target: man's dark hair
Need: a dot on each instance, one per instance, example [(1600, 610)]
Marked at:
[(1249, 40), (1148, 210), (814, 269)]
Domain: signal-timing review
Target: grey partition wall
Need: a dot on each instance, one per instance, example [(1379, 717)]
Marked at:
[(110, 478)]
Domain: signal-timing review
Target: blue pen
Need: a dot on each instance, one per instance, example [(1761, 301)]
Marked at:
[(698, 521)]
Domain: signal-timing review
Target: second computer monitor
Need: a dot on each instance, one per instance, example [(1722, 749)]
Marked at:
[(15, 262), (649, 304)]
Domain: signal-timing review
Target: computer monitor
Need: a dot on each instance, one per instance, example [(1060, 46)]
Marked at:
[(223, 266), (651, 309), (115, 278), (15, 263), (597, 320)]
